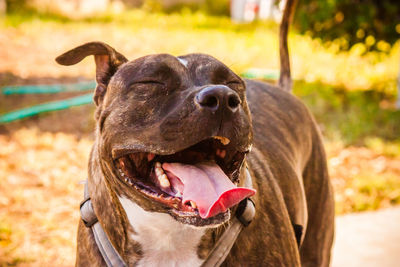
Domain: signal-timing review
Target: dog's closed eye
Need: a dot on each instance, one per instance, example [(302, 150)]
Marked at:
[(149, 82), (142, 90), (237, 86), (234, 82)]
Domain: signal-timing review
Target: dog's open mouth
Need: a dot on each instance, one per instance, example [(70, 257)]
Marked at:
[(199, 180)]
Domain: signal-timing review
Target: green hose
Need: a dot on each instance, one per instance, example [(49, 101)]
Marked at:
[(84, 99), (85, 86), (50, 106), (48, 89)]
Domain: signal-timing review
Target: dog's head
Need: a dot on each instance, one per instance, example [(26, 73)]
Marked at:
[(172, 132)]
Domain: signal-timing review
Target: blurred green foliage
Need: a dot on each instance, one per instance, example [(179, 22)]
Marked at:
[(386, 148), (211, 7), (354, 69), (370, 24), (368, 192), (353, 117), (376, 23), (15, 5)]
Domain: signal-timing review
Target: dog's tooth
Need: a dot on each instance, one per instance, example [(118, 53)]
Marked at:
[(222, 139), (164, 182), (250, 147), (159, 171), (126, 179), (225, 141), (151, 156), (158, 164), (193, 204)]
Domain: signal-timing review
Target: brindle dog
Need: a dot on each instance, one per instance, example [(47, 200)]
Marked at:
[(163, 122)]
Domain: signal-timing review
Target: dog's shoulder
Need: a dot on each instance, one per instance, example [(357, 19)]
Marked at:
[(269, 98), (283, 127)]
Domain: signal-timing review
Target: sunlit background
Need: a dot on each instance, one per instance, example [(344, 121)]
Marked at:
[(345, 62)]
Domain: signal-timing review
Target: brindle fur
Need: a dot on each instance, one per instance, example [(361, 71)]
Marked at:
[(288, 162), (147, 105)]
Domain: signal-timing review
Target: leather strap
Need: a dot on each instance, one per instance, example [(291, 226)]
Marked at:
[(106, 248), (244, 215)]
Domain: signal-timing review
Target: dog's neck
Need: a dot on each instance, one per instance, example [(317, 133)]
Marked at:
[(164, 241), (152, 238)]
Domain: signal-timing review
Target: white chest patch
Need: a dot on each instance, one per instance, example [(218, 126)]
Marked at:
[(165, 242)]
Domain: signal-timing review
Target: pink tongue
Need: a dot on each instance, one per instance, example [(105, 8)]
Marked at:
[(208, 186)]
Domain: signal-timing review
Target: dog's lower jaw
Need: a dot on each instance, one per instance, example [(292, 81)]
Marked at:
[(164, 241)]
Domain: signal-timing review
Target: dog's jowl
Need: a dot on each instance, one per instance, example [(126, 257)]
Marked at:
[(181, 143)]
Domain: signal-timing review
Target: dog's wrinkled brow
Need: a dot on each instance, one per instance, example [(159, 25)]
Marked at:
[(149, 71)]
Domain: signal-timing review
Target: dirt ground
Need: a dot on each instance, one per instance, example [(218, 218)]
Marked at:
[(369, 239)]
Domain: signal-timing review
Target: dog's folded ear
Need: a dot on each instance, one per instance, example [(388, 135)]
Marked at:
[(107, 61)]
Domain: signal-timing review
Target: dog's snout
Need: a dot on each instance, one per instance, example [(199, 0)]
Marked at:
[(218, 97)]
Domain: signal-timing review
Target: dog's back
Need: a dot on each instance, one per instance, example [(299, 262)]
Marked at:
[(288, 141)]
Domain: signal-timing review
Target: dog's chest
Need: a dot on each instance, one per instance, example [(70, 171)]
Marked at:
[(164, 241)]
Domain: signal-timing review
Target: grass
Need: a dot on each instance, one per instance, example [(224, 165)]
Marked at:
[(361, 131), (367, 191), (386, 148), (353, 117), (241, 46)]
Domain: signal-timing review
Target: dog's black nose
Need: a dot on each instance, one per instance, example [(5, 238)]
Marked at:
[(218, 97)]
